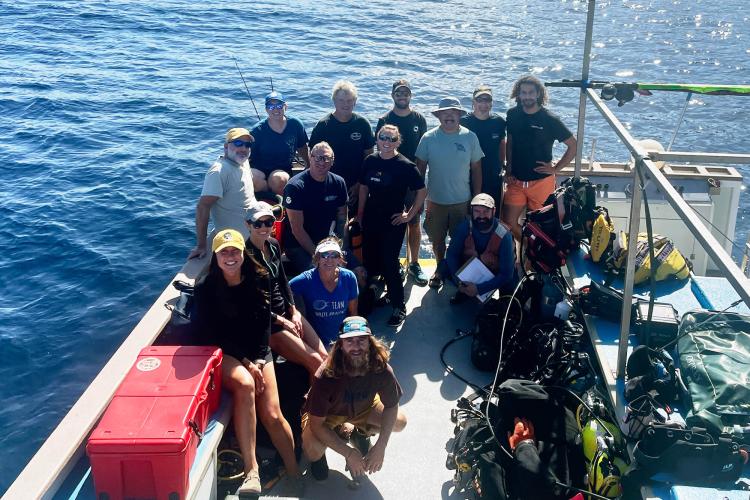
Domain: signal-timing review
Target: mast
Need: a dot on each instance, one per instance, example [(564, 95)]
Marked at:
[(584, 81)]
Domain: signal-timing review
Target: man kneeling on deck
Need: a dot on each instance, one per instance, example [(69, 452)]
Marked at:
[(354, 394), (482, 236)]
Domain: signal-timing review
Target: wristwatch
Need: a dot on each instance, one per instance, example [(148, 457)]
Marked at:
[(260, 363)]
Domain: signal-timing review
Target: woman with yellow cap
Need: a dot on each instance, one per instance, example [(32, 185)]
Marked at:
[(232, 311)]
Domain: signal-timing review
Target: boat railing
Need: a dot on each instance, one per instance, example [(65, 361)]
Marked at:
[(45, 472), (646, 169)]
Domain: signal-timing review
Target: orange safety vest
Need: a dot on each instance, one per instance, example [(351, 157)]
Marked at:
[(490, 255)]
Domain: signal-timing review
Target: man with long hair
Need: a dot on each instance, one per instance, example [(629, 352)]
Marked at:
[(353, 395), (532, 131)]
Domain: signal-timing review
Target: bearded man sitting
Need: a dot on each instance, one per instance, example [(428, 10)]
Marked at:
[(482, 236), (354, 394)]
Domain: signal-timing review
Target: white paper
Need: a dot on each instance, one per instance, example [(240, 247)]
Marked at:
[(474, 271)]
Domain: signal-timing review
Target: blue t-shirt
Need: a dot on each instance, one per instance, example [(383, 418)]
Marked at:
[(273, 151), (318, 202), (325, 310)]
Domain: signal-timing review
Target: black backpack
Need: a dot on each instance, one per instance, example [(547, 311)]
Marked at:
[(490, 471), (181, 327)]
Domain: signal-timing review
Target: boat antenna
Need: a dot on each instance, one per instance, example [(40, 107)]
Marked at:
[(271, 83), (246, 89)]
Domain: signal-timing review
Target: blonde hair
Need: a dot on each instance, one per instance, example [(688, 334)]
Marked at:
[(344, 86), (390, 128)]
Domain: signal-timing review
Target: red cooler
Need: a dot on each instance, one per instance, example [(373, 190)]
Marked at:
[(146, 440)]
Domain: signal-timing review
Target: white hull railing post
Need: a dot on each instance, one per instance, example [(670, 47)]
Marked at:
[(584, 81), (627, 292)]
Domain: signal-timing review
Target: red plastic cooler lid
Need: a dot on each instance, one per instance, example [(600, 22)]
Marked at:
[(169, 371)]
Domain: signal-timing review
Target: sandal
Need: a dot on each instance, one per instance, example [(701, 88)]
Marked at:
[(436, 281)]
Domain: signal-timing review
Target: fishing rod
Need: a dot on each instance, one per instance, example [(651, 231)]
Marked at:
[(246, 89), (625, 91)]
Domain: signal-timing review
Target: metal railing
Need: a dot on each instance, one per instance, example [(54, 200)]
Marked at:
[(645, 165)]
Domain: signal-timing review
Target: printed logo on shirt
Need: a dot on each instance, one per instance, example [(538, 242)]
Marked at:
[(460, 147), (538, 127), (416, 128), (326, 308), (496, 136), (330, 197), (355, 136), (288, 200)]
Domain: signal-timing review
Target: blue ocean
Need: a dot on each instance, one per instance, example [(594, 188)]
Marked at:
[(111, 112)]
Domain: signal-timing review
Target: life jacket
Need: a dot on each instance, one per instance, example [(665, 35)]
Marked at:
[(490, 255)]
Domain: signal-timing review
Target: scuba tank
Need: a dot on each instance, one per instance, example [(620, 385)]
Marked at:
[(355, 239)]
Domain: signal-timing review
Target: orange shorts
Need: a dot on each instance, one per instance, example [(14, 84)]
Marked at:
[(531, 194)]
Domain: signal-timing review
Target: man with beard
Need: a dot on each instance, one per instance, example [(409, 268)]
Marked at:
[(411, 126), (349, 134), (353, 395), (490, 129), (532, 131), (453, 156), (227, 191), (486, 238)]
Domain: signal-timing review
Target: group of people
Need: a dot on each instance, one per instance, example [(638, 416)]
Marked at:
[(459, 174)]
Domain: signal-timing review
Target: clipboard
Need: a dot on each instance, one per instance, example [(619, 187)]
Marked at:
[(474, 271)]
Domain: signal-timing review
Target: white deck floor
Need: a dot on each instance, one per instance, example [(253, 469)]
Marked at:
[(414, 466)]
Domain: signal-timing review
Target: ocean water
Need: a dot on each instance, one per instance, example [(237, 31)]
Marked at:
[(111, 112)]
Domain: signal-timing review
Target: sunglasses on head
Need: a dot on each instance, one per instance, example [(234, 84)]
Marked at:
[(387, 138), (332, 254), (325, 158), (263, 222), (275, 106), (239, 143)]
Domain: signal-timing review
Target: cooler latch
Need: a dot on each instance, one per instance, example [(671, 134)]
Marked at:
[(195, 428)]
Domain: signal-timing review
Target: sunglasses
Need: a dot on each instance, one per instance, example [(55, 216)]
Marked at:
[(324, 158), (330, 255), (239, 143), (275, 106), (263, 222), (387, 138)]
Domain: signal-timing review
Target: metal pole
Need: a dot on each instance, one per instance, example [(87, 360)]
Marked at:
[(627, 293), (679, 122), (584, 80)]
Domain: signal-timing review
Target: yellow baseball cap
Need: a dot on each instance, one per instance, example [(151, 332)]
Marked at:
[(236, 133), (228, 238)]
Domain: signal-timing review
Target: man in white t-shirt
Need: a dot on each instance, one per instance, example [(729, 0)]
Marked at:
[(227, 191), (451, 157)]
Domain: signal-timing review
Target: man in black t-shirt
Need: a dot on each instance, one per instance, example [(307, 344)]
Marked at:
[(349, 134), (490, 129), (315, 199), (411, 126), (532, 131)]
